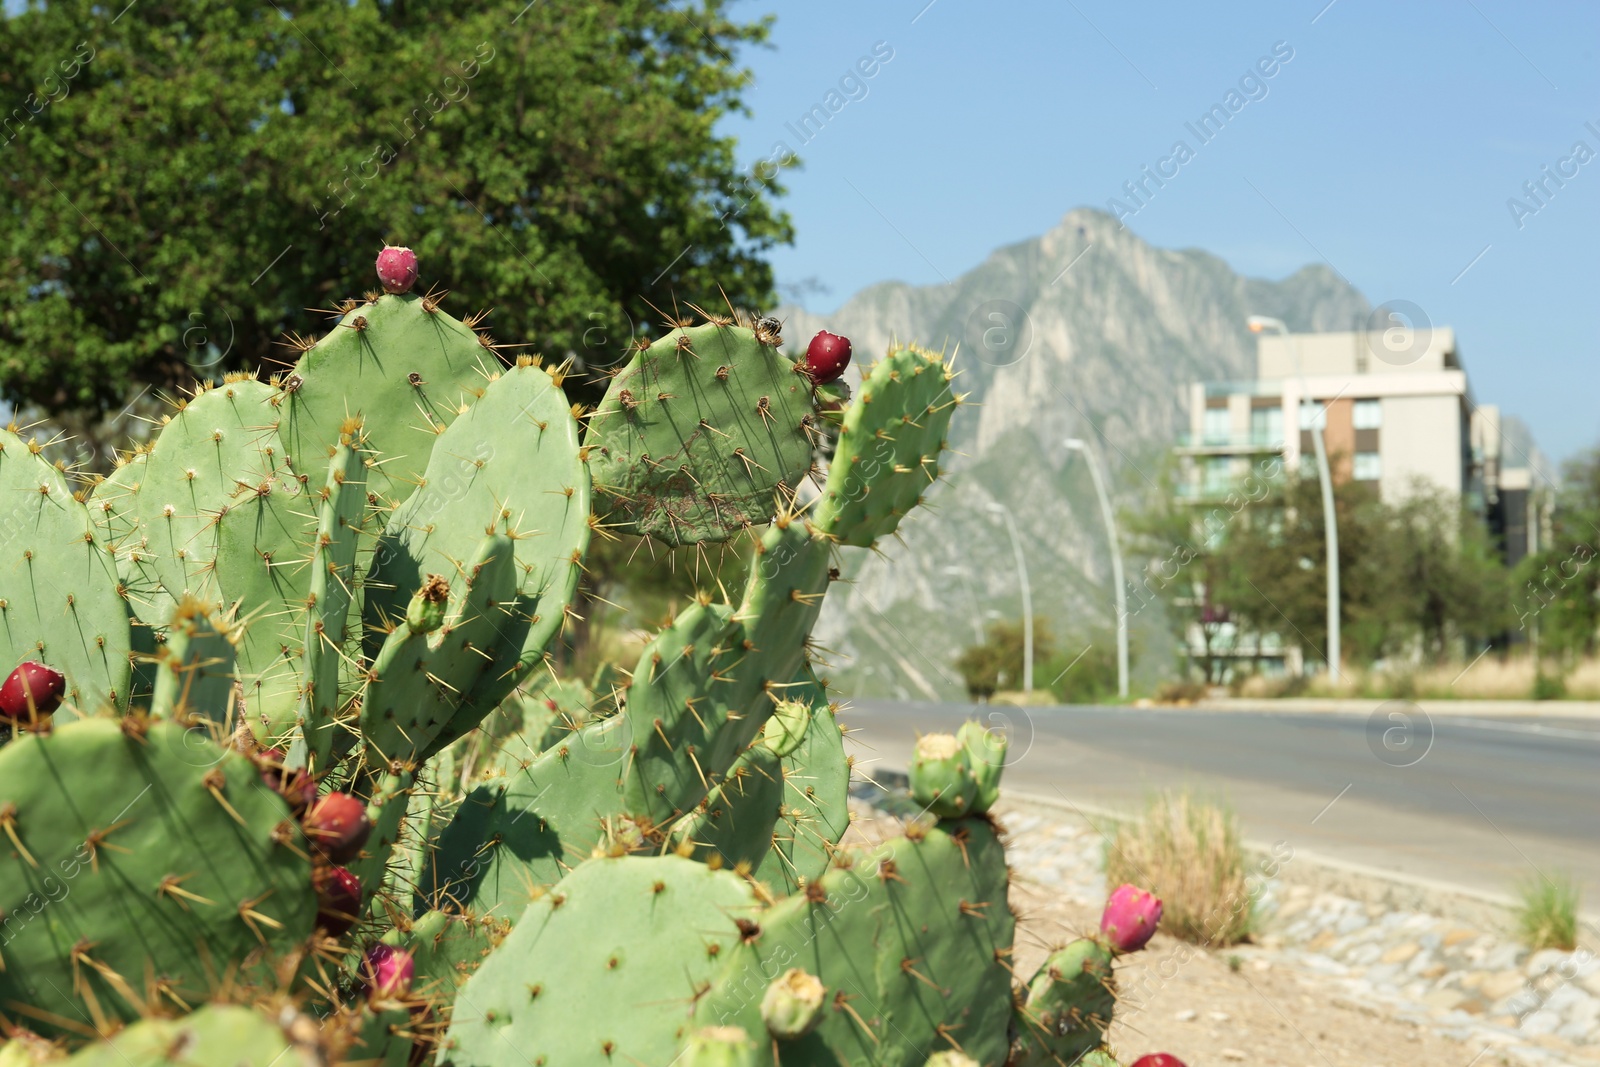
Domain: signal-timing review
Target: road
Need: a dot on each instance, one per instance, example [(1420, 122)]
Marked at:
[(1478, 802)]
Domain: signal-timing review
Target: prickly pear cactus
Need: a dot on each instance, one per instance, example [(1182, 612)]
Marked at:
[(312, 784)]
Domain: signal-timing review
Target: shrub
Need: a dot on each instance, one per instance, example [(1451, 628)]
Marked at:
[(1184, 691), (1548, 914), (1549, 686), (1187, 851)]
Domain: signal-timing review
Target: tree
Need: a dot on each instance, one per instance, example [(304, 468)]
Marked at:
[(1418, 575), (1189, 552), (180, 180), (1279, 579), (1451, 583), (1558, 588), (997, 663)]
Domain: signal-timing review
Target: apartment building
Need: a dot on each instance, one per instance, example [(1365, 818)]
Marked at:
[(1398, 412)]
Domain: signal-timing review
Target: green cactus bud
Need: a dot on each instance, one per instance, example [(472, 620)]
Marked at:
[(787, 727), (941, 776), (425, 613), (831, 400), (986, 755), (792, 1004), (719, 1046)]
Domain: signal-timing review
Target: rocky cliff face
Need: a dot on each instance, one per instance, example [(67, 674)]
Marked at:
[(1085, 331)]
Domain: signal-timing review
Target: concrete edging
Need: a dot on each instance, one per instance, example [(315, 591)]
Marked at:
[(1392, 890), (1559, 709)]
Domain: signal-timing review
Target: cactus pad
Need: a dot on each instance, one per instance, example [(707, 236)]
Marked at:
[(510, 467), (138, 869), (700, 434), (59, 601), (606, 967), (409, 372), (162, 515), (215, 1034), (1068, 1007), (286, 557), (909, 943), (888, 449)]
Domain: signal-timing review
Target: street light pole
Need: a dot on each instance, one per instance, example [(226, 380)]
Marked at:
[(1330, 526), (954, 571), (1027, 594), (1079, 445)]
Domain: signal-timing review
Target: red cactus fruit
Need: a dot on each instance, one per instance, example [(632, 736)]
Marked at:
[(297, 787), (388, 971), (1130, 918), (1158, 1059), (44, 685), (397, 269), (827, 356), (338, 899), (337, 826)]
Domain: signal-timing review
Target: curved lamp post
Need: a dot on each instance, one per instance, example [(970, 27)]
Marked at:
[(1259, 323), (1077, 444)]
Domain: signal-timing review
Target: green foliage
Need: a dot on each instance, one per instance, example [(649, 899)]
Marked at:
[(562, 164), (997, 663), (1557, 590), (1419, 574)]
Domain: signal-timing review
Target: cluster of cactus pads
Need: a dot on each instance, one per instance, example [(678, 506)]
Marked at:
[(290, 777)]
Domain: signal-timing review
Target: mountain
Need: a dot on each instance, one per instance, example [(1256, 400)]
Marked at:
[(1085, 331)]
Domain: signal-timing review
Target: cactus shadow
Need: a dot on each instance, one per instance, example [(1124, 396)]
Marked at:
[(464, 871)]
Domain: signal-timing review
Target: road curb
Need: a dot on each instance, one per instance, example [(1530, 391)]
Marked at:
[(1393, 890), (1555, 709)]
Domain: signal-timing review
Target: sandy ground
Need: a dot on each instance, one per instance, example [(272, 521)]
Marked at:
[(1189, 1002)]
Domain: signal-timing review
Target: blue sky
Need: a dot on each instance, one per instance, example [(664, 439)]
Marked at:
[(1387, 147)]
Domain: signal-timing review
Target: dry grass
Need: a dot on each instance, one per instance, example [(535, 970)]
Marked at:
[(1583, 682), (1488, 679), (1187, 851), (1548, 914)]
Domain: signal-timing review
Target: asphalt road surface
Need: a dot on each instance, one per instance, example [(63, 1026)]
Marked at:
[(1475, 801)]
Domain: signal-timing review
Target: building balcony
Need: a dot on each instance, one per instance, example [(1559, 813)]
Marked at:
[(1228, 444)]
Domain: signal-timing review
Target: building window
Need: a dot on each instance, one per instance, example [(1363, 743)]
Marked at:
[(1218, 427), (1219, 473), (1367, 415), (1368, 467), (1313, 416), (1266, 426)]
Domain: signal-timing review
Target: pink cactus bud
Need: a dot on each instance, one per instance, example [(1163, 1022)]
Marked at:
[(34, 680), (1130, 918), (397, 269), (388, 971), (338, 899), (827, 356), (1158, 1059), (337, 826)]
